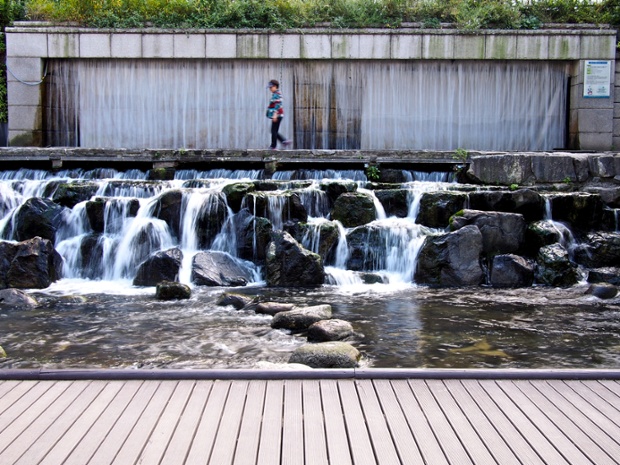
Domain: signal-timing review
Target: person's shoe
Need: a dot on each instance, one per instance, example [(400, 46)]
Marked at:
[(287, 143), (273, 148)]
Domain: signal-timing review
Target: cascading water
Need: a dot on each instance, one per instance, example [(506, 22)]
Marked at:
[(212, 104)]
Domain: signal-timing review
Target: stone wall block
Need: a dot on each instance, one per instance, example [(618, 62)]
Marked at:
[(157, 46), (316, 46), (596, 120), (22, 94), (375, 46), (501, 47), (24, 69), (189, 45), (345, 46), (96, 45), (284, 46), (406, 46), (126, 45), (63, 45), (564, 47), (603, 166), (595, 141), (532, 47), (598, 47), (221, 46), (26, 45), (438, 46), (470, 47), (25, 117), (252, 46)]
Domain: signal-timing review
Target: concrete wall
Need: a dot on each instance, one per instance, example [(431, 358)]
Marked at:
[(30, 44)]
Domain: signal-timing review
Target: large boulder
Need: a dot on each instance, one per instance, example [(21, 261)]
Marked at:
[(354, 209), (116, 209), (436, 208), (300, 319), (37, 217), (581, 210), (527, 202), (331, 354), (31, 264), (238, 301), (325, 235), (511, 271), (172, 290), (14, 298), (335, 189), (277, 206), (541, 233), (168, 208), (501, 232), (330, 330), (271, 308), (288, 264), (366, 244), (395, 202), (554, 267), (253, 235), (70, 194), (235, 192), (210, 218), (219, 269), (608, 274), (451, 260), (163, 266), (599, 249)]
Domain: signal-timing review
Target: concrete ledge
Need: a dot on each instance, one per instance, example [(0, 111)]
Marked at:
[(365, 373)]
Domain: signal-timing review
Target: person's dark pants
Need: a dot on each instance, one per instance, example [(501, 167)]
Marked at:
[(275, 135)]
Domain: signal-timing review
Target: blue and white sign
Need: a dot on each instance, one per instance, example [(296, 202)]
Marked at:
[(597, 79)]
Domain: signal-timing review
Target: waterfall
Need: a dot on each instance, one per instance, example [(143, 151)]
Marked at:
[(567, 239), (365, 104)]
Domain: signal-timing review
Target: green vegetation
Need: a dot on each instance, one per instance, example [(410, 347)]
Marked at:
[(373, 173), (460, 154), (10, 10), (285, 14)]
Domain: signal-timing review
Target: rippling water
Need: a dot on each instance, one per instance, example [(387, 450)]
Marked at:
[(399, 327)]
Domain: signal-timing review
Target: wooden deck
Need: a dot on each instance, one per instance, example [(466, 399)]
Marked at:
[(340, 421)]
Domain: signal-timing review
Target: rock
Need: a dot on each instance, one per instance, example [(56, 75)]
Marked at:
[(335, 189), (288, 264), (436, 208), (253, 235), (300, 319), (219, 269), (554, 267), (31, 264), (395, 202), (610, 275), (332, 354), (16, 298), (365, 243), (167, 290), (168, 208), (95, 212), (2, 353), (501, 232), (603, 291), (526, 202), (271, 308), (70, 194), (238, 301), (599, 249), (330, 330), (354, 209), (160, 174), (235, 192), (37, 217), (277, 207), (581, 210), (116, 208), (452, 259), (511, 271), (163, 266), (328, 235), (91, 250), (539, 234)]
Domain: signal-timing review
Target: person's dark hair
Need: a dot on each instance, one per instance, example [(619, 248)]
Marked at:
[(274, 82)]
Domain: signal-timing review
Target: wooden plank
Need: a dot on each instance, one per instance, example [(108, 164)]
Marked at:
[(543, 443), (448, 440), (181, 441), (226, 439), (592, 398), (101, 428), (315, 442), (418, 423), (461, 425), (269, 449), (382, 441), (5, 388), (335, 429), (204, 438), (613, 386), (139, 436), (29, 410), (474, 409), (594, 444), (596, 389), (246, 452), (357, 431), (66, 414), (62, 449), (9, 399), (292, 424), (166, 425), (405, 443)]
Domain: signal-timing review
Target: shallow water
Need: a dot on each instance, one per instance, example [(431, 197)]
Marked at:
[(399, 327)]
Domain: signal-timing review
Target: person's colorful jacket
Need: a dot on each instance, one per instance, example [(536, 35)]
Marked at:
[(275, 105)]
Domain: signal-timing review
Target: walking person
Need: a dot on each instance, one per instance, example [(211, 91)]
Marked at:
[(275, 112)]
